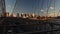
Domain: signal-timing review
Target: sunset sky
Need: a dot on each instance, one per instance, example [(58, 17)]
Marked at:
[(36, 6)]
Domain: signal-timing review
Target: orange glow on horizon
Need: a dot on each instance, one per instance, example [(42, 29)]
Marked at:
[(14, 15)]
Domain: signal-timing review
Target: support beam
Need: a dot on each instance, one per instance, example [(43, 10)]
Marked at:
[(3, 8)]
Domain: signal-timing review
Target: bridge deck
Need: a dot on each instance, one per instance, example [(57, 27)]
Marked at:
[(20, 25)]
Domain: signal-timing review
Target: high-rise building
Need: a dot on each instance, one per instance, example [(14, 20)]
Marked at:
[(2, 8)]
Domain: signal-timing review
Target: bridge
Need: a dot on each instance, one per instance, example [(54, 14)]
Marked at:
[(27, 23)]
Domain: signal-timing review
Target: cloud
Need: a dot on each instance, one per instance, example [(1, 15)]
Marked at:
[(42, 10), (51, 7)]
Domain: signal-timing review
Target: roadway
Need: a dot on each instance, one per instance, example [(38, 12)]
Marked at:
[(21, 25)]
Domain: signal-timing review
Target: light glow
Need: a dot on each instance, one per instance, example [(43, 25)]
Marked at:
[(14, 15), (33, 14)]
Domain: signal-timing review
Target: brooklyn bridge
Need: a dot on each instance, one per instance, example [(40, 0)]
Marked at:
[(22, 22)]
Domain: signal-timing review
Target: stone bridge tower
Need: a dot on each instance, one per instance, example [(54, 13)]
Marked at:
[(2, 8)]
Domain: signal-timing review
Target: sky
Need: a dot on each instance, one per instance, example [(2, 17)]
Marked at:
[(9, 5), (38, 7)]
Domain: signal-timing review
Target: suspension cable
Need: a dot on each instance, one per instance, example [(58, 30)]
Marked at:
[(42, 2), (14, 6), (38, 7), (33, 7), (54, 8), (48, 6), (58, 13)]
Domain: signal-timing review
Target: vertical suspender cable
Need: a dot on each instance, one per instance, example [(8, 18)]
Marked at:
[(33, 7), (48, 6), (42, 2), (58, 13), (54, 8), (14, 7), (38, 7)]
